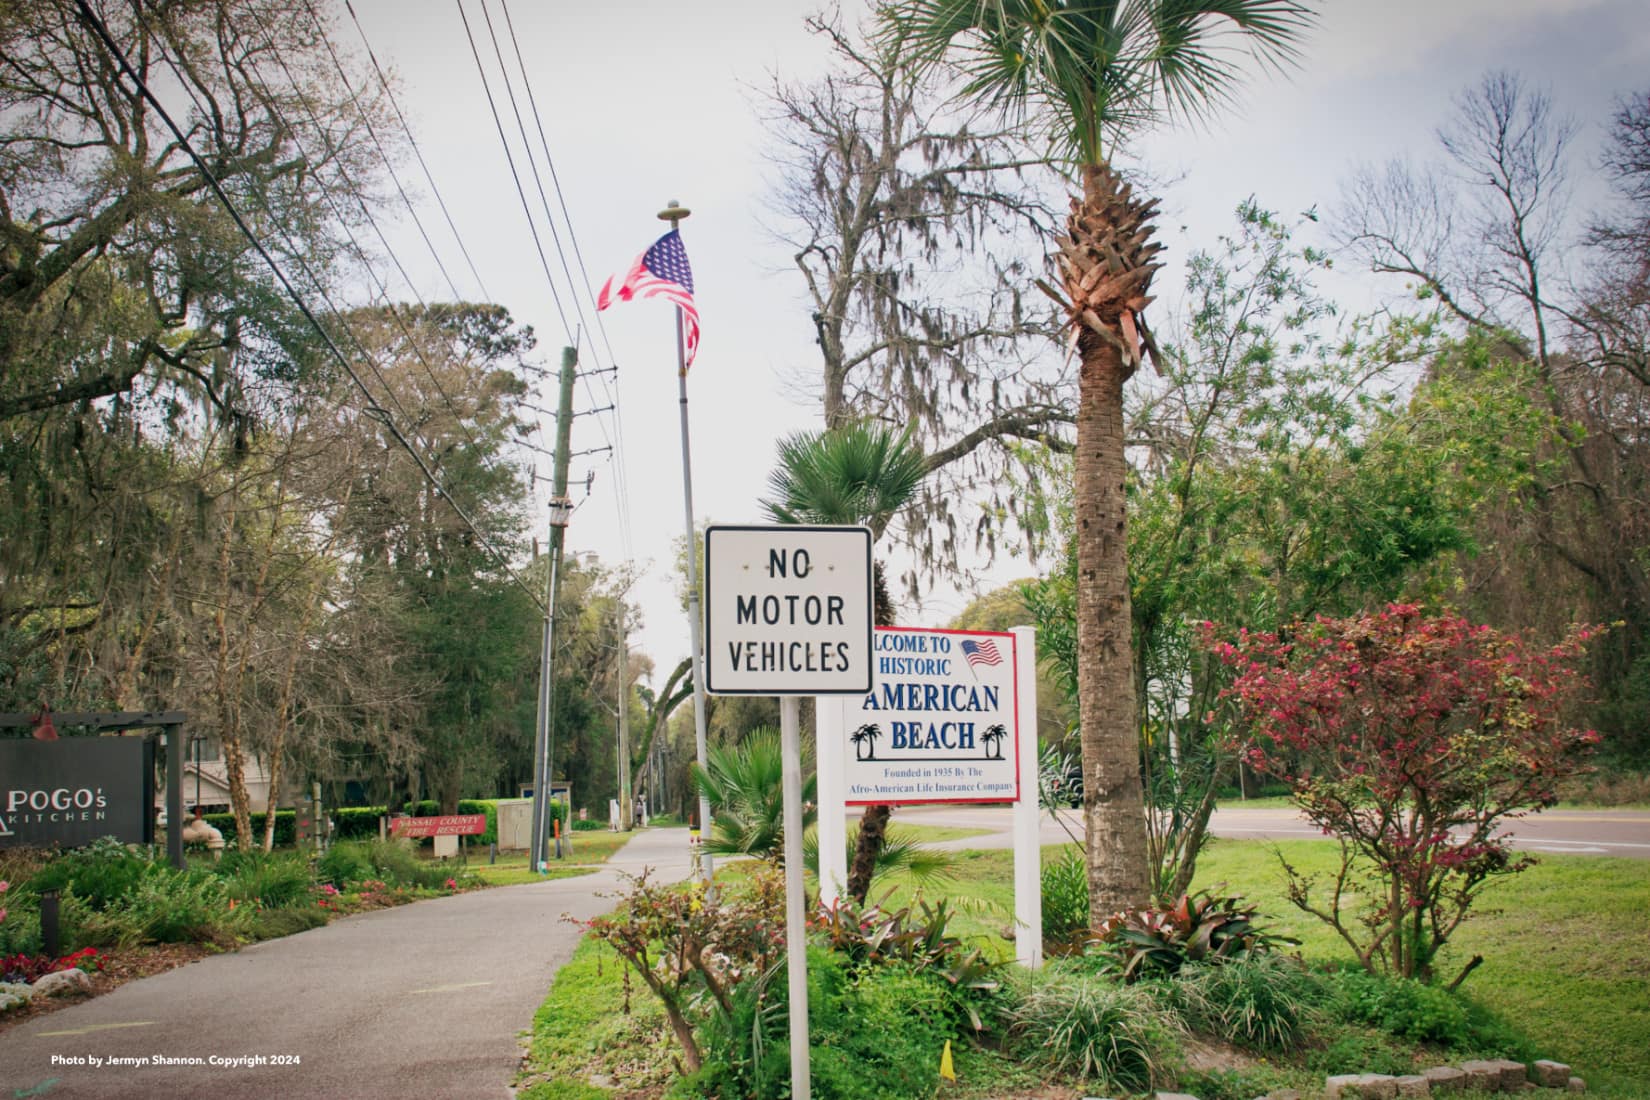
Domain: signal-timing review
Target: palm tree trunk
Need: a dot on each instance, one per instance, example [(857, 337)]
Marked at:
[(873, 823), (1108, 249)]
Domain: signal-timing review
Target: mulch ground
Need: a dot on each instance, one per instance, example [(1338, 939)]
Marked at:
[(119, 967)]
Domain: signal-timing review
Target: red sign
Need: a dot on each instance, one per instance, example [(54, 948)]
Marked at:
[(457, 825)]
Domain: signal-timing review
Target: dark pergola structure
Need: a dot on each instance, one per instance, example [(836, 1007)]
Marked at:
[(169, 721)]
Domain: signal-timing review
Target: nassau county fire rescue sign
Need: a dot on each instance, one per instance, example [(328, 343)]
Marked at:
[(939, 724), (788, 610)]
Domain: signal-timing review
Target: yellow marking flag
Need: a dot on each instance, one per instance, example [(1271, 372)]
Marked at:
[(947, 1070)]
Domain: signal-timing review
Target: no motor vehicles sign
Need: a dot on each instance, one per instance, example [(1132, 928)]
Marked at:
[(788, 610)]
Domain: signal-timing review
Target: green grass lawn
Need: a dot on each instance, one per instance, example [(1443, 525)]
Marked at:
[(589, 850), (932, 834)]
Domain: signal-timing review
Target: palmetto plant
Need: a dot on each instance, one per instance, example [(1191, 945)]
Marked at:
[(744, 785), (1088, 74)]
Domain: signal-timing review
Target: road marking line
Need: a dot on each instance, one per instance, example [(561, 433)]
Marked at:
[(452, 988), (89, 1028)]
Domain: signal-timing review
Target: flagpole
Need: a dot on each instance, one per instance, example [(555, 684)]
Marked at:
[(674, 214)]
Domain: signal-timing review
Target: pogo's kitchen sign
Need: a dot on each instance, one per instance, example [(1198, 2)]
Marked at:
[(940, 722), (74, 790)]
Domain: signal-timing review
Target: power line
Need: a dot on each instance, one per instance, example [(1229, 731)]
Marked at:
[(622, 484), (355, 191), (389, 93), (509, 157), (96, 24)]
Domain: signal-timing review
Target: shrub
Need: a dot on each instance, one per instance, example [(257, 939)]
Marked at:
[(1405, 1008), (345, 862), (173, 907), (1117, 1035), (1065, 901), (100, 874), (693, 952), (266, 879), (1409, 738), (913, 940), (1264, 1002), (1361, 1052), (1196, 927), (588, 826), (396, 862), (875, 1034), (286, 828)]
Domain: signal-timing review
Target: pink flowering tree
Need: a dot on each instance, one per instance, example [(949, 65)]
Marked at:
[(1412, 739)]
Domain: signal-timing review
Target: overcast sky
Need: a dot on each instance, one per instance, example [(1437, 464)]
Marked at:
[(647, 101)]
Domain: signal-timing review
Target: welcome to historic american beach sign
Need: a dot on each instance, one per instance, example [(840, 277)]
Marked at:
[(939, 724)]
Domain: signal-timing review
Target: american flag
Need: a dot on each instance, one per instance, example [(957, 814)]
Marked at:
[(982, 653), (661, 271)]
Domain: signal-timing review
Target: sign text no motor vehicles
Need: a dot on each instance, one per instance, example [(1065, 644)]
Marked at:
[(789, 610)]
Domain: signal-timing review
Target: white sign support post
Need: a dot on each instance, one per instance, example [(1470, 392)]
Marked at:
[(1028, 848), (830, 731), (789, 615)]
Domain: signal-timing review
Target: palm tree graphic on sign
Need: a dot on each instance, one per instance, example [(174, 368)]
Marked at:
[(864, 740), (993, 738)]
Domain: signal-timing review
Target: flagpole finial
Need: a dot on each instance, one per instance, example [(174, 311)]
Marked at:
[(673, 213)]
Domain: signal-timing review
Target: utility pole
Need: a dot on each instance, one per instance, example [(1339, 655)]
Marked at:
[(627, 801), (560, 510)]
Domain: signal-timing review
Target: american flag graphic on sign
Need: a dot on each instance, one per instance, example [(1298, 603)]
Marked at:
[(982, 653)]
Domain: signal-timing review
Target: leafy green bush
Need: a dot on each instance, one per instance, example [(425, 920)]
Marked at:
[(1405, 1008), (1065, 901), (396, 862), (173, 907), (1361, 1052), (272, 880), (1264, 1002), (1158, 942), (286, 828), (1117, 1035), (355, 822), (588, 826), (875, 1034), (100, 874), (915, 940), (345, 862)]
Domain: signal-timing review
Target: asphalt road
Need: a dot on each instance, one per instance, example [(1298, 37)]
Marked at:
[(425, 1001), (1624, 833)]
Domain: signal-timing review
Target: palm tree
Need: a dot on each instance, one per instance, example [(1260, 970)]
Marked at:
[(864, 740), (744, 785), (993, 739), (855, 474), (1089, 74)]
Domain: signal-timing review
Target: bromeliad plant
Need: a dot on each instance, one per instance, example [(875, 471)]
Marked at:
[(1200, 927), (913, 938), (1411, 738)]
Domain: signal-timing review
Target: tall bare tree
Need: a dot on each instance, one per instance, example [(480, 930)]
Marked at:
[(909, 222)]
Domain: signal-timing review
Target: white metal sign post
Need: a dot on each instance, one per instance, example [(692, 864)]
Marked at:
[(789, 614)]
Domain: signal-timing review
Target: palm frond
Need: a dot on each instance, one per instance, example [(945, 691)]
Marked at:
[(1089, 71)]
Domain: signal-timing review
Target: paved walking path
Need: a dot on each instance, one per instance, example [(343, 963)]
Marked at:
[(425, 1000)]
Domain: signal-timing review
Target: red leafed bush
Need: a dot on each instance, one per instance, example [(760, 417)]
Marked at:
[(1411, 738)]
